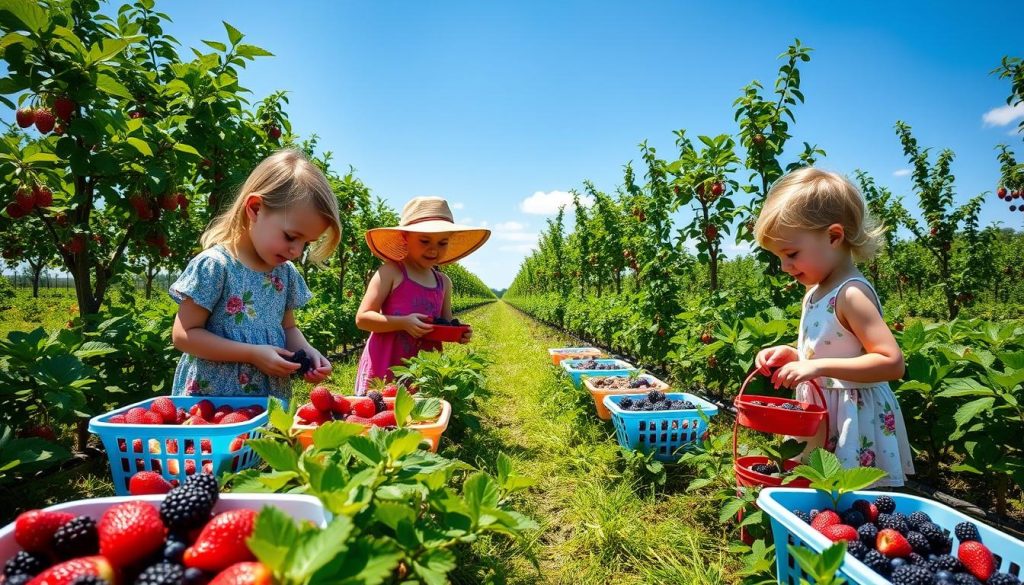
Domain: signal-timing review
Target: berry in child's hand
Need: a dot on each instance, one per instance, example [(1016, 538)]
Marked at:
[(305, 363)]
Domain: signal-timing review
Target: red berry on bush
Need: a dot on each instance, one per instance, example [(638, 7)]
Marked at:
[(25, 117), (44, 120)]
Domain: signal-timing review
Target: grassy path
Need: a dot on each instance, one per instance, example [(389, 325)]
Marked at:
[(601, 521)]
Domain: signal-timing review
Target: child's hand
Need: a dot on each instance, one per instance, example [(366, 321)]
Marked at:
[(269, 359), (321, 366), (774, 357), (416, 324), (793, 373), (467, 335)]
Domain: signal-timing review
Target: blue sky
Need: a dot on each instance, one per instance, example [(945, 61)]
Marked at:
[(497, 105)]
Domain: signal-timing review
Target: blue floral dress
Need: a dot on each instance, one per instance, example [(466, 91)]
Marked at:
[(244, 305)]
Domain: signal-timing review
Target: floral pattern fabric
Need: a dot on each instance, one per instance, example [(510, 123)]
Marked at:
[(244, 305), (866, 427)]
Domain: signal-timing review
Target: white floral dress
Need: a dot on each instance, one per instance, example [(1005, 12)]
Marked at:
[(244, 305), (866, 425)]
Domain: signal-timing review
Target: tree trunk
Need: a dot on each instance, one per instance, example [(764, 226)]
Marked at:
[(36, 271)]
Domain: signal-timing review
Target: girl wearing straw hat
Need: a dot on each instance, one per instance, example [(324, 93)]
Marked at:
[(408, 290)]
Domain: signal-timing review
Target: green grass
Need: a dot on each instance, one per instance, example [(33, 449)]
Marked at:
[(51, 311)]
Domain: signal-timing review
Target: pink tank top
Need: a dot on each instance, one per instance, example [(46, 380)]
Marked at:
[(384, 350)]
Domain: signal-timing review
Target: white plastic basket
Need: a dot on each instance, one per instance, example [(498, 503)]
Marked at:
[(302, 508)]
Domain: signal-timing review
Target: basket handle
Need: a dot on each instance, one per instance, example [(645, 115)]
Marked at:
[(736, 421)]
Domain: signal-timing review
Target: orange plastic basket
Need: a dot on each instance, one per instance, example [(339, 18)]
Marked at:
[(599, 393), (431, 431), (573, 353)]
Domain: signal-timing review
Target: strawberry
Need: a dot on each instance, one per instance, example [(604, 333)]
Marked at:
[(340, 405), (977, 559), (217, 417), (130, 532), (33, 530), (384, 419), (64, 107), (311, 413), (389, 391), (364, 407), (147, 482), (892, 544), (222, 542), (44, 120), (164, 407), (236, 444), (225, 408), (244, 574), (205, 446), (358, 420), (68, 571), (257, 409), (117, 419), (869, 510), (321, 398), (838, 532), (196, 420), (151, 418), (135, 416), (233, 417), (824, 519), (25, 117), (169, 202), (181, 417), (204, 409)]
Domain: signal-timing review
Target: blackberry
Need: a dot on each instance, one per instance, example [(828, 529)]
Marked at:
[(305, 363), (194, 576), (758, 403), (947, 563), (24, 563), (966, 531), (789, 406), (162, 573), (918, 518), (802, 515), (764, 468), (965, 579), (885, 504), (917, 559), (644, 404), (857, 549), (911, 575), (662, 405), (687, 405), (814, 512), (892, 521), (932, 532), (89, 580), (185, 508), (919, 543), (375, 396), (77, 538), (868, 534), (206, 482), (876, 562), (625, 403), (655, 396), (853, 518), (1002, 579), (19, 579)]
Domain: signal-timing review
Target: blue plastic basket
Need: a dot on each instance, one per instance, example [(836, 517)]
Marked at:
[(118, 439), (660, 431), (623, 369), (778, 503)]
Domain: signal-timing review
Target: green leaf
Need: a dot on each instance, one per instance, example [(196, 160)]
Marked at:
[(105, 50), (316, 548), (480, 492), (426, 409), (433, 567), (144, 148), (858, 478), (113, 87), (29, 14), (331, 435), (278, 455), (279, 418), (967, 412), (404, 403), (234, 35), (273, 537), (41, 157), (182, 147), (391, 514)]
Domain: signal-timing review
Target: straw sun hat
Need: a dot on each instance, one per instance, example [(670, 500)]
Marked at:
[(429, 215)]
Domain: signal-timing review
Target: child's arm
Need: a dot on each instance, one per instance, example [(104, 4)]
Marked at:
[(294, 340), (882, 360), (369, 316), (446, 307), (189, 334)]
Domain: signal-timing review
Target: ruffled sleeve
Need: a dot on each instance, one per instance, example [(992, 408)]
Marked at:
[(202, 281), (298, 293)]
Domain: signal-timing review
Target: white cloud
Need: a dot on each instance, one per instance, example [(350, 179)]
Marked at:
[(511, 226), (1003, 115), (484, 223), (541, 203), (457, 205), (514, 236), (901, 173)]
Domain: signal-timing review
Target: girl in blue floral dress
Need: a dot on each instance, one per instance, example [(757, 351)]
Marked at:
[(816, 223), (235, 321)]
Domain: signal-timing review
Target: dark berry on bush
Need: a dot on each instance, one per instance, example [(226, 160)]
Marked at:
[(885, 504), (206, 482), (625, 403), (876, 562), (77, 538), (919, 543), (946, 563), (853, 518), (868, 534), (19, 579), (24, 563), (857, 549), (162, 573), (185, 508), (967, 531), (918, 518), (194, 576), (911, 575), (802, 515), (1002, 579)]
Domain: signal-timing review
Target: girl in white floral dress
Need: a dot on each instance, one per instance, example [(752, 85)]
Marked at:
[(817, 224), (235, 323)]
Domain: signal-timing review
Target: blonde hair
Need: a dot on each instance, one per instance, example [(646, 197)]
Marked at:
[(812, 199), (283, 179)]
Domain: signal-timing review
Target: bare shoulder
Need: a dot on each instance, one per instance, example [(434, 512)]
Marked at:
[(445, 280), (858, 296)]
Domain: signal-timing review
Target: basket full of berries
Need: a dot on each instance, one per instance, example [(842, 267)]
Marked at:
[(601, 386), (193, 534), (595, 367), (780, 416), (891, 538), (659, 422), (178, 436), (573, 353), (446, 330)]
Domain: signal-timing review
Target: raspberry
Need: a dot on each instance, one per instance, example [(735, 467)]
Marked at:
[(918, 518), (911, 575), (186, 508), (24, 563), (885, 504), (966, 531), (206, 483), (77, 538), (868, 533), (162, 573)]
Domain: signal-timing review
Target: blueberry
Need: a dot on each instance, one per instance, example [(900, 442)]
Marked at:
[(174, 550)]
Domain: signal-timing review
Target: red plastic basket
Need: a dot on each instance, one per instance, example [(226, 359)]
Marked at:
[(450, 333), (779, 421)]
